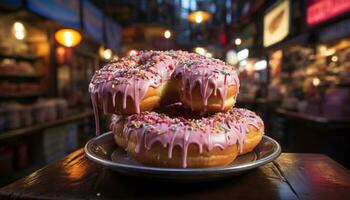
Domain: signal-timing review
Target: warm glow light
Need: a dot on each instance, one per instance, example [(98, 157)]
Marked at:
[(260, 65), (74, 172), (167, 34), (334, 58), (326, 51), (208, 55), (322, 48), (18, 26), (231, 57), (115, 58), (20, 35), (316, 81), (243, 54), (68, 37), (200, 50), (107, 54), (329, 52), (243, 63), (19, 30), (132, 52), (199, 16), (238, 41)]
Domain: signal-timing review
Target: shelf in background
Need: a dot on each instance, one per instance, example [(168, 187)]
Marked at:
[(19, 57), (20, 76), (27, 130), (17, 96), (304, 116)]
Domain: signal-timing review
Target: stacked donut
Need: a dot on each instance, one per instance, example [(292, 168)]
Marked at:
[(202, 130)]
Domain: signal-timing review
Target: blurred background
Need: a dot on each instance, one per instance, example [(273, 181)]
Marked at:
[(293, 58)]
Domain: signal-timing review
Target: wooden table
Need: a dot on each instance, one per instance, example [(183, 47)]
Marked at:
[(291, 176)]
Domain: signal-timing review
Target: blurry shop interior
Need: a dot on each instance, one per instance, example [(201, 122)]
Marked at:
[(294, 66), (46, 62)]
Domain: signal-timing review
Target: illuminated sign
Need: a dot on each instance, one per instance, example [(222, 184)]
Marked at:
[(322, 10), (276, 23)]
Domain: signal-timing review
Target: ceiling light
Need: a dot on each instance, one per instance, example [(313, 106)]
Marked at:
[(316, 81), (199, 16), (238, 41), (107, 54), (68, 37), (19, 30), (167, 34)]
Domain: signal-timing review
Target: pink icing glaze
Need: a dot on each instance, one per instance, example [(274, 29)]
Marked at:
[(131, 76), (211, 75), (219, 130)]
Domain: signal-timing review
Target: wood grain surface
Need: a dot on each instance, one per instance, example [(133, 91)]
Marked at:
[(291, 176)]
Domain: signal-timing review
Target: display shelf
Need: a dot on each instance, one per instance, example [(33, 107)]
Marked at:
[(19, 57), (33, 75), (36, 128), (308, 117), (19, 96)]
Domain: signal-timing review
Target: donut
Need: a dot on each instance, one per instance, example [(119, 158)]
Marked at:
[(254, 130), (207, 84), (141, 82), (162, 140), (132, 84)]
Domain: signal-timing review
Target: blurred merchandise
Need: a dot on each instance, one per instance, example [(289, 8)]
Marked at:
[(11, 67), (28, 88), (8, 88), (26, 115), (61, 107), (311, 78), (15, 115), (13, 120), (336, 103), (43, 85), (39, 112), (50, 108)]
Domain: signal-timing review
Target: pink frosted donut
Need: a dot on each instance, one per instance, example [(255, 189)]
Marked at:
[(166, 141), (207, 84), (132, 84)]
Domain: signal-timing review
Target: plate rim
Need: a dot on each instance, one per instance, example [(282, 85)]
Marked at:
[(223, 169)]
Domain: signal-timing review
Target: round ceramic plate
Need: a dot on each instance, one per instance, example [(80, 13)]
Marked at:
[(103, 150)]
